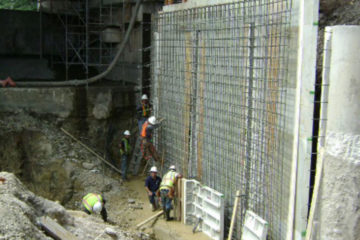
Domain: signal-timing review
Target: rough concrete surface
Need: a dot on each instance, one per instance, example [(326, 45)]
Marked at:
[(19, 209), (340, 203), (102, 105), (55, 101)]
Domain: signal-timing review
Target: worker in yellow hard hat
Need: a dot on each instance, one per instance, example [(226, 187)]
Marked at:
[(167, 189)]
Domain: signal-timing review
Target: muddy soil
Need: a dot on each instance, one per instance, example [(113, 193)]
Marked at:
[(160, 229)]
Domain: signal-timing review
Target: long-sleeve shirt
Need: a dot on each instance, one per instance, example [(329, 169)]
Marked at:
[(125, 147), (150, 130), (143, 111)]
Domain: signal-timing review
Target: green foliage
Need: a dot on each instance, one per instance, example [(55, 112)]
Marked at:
[(18, 4)]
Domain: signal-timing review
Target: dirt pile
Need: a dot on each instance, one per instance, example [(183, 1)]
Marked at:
[(20, 210), (51, 164)]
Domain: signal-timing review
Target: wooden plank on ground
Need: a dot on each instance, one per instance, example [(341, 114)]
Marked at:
[(53, 229), (149, 219)]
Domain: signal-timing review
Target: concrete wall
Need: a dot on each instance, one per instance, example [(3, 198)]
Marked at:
[(300, 111), (64, 102), (20, 33), (337, 214)]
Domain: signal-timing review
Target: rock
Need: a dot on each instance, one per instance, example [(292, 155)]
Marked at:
[(136, 206), (131, 201), (110, 231), (20, 208), (90, 226), (102, 105), (107, 188), (88, 165)]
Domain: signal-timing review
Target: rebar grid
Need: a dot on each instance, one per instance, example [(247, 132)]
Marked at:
[(219, 80)]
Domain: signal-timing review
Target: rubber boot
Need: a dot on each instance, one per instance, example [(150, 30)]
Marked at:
[(168, 218), (164, 210)]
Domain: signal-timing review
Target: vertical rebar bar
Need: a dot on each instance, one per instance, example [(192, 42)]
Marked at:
[(249, 115)]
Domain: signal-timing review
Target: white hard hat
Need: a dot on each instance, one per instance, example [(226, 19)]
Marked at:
[(144, 97), (153, 169), (97, 207), (172, 167), (127, 133), (152, 120)]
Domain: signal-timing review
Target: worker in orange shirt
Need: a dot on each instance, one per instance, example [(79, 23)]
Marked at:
[(147, 148)]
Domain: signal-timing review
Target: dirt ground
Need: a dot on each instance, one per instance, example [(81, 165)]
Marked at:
[(137, 212)]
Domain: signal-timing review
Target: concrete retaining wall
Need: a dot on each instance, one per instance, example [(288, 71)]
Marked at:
[(20, 33), (338, 214), (64, 102)]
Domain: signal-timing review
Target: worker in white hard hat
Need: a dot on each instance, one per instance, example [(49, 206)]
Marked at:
[(125, 151), (94, 203), (147, 148), (152, 185), (167, 190), (143, 111)]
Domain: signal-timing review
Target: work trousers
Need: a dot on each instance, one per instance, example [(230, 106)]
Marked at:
[(124, 165), (154, 199), (148, 150), (166, 201)]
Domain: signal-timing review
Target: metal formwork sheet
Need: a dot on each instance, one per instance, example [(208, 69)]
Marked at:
[(206, 206)]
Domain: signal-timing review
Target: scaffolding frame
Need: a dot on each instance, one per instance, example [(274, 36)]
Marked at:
[(84, 27)]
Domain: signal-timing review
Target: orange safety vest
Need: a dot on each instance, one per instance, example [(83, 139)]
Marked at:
[(143, 130)]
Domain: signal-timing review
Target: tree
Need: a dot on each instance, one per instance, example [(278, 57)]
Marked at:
[(18, 4)]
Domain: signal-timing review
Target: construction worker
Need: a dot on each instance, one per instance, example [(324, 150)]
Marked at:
[(7, 82), (152, 185), (143, 111), (94, 203), (167, 189), (147, 148), (125, 150)]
